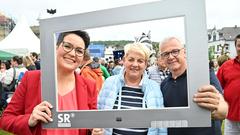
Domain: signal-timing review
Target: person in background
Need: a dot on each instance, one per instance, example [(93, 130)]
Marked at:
[(25, 114), (117, 67), (132, 89), (174, 89), (110, 67), (91, 70), (213, 78), (5, 65), (221, 59), (16, 69), (36, 60), (12, 78), (103, 68), (229, 77), (28, 63), (159, 71), (105, 62)]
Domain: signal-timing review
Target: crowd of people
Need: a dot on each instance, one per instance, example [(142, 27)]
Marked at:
[(87, 83), (12, 72)]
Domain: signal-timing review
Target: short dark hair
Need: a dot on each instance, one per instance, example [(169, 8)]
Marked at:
[(237, 37), (34, 54), (17, 59), (7, 64), (83, 34), (117, 62), (96, 59)]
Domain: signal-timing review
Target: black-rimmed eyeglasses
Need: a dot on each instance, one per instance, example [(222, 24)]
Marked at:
[(174, 53), (67, 47)]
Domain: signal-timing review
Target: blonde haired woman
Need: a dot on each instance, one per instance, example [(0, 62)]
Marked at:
[(131, 89), (28, 63)]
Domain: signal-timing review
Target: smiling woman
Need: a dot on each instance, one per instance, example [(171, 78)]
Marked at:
[(25, 114), (70, 52), (131, 89)]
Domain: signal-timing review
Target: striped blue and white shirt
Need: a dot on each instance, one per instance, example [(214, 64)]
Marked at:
[(130, 98)]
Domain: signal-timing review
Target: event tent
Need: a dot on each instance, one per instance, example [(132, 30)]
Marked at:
[(6, 55), (21, 40)]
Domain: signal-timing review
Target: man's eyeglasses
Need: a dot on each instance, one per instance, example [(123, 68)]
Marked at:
[(67, 47), (174, 53)]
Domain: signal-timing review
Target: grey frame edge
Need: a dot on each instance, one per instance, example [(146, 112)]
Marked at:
[(195, 35)]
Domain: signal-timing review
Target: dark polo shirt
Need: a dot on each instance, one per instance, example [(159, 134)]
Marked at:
[(175, 95)]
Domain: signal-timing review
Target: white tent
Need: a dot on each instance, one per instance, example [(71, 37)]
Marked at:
[(21, 40)]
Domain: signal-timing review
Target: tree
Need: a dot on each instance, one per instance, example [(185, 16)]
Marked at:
[(211, 52), (223, 48)]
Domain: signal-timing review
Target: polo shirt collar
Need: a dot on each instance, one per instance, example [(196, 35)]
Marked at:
[(181, 76)]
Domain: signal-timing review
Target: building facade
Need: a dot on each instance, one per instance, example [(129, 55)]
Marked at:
[(6, 26), (221, 41)]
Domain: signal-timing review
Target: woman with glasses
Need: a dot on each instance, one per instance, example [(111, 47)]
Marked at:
[(131, 89), (27, 111)]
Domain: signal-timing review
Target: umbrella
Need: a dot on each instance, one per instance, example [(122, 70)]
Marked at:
[(6, 55)]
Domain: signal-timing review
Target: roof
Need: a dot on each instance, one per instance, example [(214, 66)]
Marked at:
[(229, 33), (6, 55)]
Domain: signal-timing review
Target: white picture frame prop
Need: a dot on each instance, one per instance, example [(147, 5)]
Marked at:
[(193, 12)]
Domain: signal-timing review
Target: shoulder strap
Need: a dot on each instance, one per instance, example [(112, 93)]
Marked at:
[(14, 73)]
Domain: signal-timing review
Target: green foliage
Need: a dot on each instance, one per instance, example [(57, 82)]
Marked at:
[(222, 127), (155, 46), (2, 132), (211, 52)]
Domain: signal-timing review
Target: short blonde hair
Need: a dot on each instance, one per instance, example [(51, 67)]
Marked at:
[(27, 61), (137, 47)]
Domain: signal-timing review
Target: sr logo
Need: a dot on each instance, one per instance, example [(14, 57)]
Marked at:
[(64, 120)]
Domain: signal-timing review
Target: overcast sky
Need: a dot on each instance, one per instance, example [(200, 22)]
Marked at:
[(220, 13)]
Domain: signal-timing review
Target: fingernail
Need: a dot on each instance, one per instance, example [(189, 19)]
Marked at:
[(51, 119), (200, 89)]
